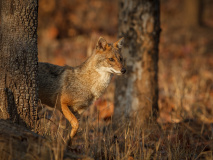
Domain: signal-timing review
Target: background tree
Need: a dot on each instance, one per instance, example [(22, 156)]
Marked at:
[(18, 60), (193, 12), (137, 91)]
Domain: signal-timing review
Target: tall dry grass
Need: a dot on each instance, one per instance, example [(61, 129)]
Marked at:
[(127, 139)]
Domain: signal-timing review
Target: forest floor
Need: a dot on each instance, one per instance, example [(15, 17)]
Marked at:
[(184, 129)]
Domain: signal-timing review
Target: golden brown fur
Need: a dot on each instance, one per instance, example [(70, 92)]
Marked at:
[(75, 88)]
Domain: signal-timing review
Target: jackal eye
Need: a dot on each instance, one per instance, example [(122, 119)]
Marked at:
[(121, 59), (111, 59)]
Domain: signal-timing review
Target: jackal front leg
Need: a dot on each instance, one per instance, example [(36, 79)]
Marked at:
[(70, 117)]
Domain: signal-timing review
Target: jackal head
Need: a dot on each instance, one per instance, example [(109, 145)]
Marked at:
[(109, 58)]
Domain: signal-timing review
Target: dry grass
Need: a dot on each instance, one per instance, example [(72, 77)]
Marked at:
[(129, 140)]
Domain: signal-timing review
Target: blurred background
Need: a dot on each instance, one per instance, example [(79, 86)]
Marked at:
[(69, 29)]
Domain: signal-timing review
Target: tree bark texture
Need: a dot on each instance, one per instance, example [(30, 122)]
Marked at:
[(137, 91), (18, 60)]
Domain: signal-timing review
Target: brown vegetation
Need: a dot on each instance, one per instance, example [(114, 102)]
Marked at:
[(184, 130)]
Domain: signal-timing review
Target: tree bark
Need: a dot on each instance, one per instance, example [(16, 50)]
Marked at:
[(18, 61), (136, 93)]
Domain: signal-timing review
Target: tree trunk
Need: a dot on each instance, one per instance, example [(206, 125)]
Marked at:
[(193, 12), (137, 92), (18, 60)]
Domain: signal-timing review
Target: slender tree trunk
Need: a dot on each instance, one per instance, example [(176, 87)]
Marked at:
[(193, 12), (137, 92), (18, 60)]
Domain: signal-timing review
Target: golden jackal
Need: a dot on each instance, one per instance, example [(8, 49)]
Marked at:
[(73, 89)]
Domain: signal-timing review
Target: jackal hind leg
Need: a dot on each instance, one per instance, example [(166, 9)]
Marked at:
[(71, 118)]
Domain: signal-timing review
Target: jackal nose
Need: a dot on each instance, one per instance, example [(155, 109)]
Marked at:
[(123, 70)]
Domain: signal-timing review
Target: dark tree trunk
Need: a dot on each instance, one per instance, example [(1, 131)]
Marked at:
[(137, 91), (18, 60)]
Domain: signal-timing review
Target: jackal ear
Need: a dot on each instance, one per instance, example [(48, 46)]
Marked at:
[(119, 43), (101, 44)]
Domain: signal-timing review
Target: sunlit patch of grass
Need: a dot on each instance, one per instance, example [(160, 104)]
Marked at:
[(127, 139)]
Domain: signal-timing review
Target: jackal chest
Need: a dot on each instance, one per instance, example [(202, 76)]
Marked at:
[(100, 85)]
